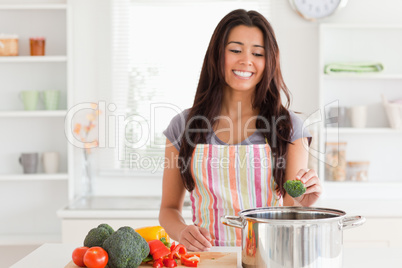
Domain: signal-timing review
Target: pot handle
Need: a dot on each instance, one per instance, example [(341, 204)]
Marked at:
[(233, 221), (353, 221)]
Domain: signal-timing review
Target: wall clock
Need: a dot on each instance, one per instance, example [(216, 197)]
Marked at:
[(317, 9)]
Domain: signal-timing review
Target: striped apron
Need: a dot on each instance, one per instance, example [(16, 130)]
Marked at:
[(228, 179)]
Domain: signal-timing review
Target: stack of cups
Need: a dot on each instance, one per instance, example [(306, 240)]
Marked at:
[(30, 99), (358, 116), (30, 161)]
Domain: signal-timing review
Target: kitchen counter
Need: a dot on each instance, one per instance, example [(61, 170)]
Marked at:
[(121, 207), (148, 207), (368, 208), (381, 229), (59, 255)]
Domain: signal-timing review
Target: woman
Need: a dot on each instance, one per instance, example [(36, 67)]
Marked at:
[(238, 144)]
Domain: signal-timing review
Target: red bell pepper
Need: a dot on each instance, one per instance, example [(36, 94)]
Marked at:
[(177, 251), (168, 262), (157, 249), (190, 260), (172, 246), (158, 263)]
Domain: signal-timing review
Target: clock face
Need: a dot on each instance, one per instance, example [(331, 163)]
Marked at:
[(315, 9)]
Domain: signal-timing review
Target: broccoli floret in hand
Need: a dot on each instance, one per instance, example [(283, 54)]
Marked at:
[(98, 235), (126, 248), (294, 188)]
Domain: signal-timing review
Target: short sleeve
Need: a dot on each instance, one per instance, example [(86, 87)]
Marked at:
[(176, 128), (299, 131)]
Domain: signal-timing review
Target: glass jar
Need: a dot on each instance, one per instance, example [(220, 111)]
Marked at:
[(358, 171), (335, 161), (37, 45)]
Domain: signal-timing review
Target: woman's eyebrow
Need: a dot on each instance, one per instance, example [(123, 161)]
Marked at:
[(240, 43)]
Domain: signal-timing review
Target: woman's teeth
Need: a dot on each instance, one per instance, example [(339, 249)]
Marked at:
[(242, 74)]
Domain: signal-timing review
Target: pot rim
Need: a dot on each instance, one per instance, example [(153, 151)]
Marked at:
[(336, 215)]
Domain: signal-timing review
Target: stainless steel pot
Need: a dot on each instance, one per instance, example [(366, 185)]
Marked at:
[(292, 237)]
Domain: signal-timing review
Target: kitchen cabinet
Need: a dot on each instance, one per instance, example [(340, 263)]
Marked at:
[(74, 229), (30, 201), (377, 143), (375, 232), (87, 213)]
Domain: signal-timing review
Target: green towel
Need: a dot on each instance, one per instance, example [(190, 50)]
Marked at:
[(353, 68)]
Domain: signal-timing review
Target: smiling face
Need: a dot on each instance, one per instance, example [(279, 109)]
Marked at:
[(244, 58)]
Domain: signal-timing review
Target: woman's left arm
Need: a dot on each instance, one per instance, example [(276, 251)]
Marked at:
[(296, 169)]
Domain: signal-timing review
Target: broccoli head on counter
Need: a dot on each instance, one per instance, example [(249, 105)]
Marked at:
[(126, 248), (98, 235), (294, 188)]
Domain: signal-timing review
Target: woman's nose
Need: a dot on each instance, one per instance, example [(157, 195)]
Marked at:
[(246, 60)]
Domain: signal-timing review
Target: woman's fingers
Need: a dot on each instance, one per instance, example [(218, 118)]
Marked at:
[(206, 234), (195, 238), (307, 175), (314, 189), (311, 181), (301, 173)]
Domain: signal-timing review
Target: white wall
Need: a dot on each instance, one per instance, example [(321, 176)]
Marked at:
[(297, 38)]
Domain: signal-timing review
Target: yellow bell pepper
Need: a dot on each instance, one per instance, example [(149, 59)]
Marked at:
[(153, 232)]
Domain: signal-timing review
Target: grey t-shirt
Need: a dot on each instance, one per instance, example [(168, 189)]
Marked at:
[(176, 128)]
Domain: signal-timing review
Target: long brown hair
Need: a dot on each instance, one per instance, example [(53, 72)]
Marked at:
[(267, 97)]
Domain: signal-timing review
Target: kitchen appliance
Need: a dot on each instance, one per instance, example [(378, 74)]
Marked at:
[(290, 237)]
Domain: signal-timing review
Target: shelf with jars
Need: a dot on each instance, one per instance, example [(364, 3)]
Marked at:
[(360, 77), (34, 63)]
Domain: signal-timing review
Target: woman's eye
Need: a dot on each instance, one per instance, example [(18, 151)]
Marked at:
[(235, 51), (258, 54)]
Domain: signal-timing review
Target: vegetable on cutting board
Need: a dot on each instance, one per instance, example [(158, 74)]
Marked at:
[(190, 260), (294, 188), (126, 248), (98, 235), (163, 256), (157, 249), (96, 257), (176, 251), (153, 233), (78, 256)]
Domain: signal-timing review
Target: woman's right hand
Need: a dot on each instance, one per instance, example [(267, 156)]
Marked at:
[(195, 238)]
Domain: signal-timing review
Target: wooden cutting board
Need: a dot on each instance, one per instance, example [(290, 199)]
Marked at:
[(208, 259)]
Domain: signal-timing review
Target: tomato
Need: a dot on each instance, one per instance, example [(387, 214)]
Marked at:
[(190, 260), (78, 256), (96, 257)]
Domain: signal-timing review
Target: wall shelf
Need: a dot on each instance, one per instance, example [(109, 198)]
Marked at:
[(378, 143), (29, 59), (347, 130), (32, 6), (34, 177), (361, 76), (24, 114), (34, 198)]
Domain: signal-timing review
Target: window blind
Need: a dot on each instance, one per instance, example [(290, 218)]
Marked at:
[(158, 49)]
